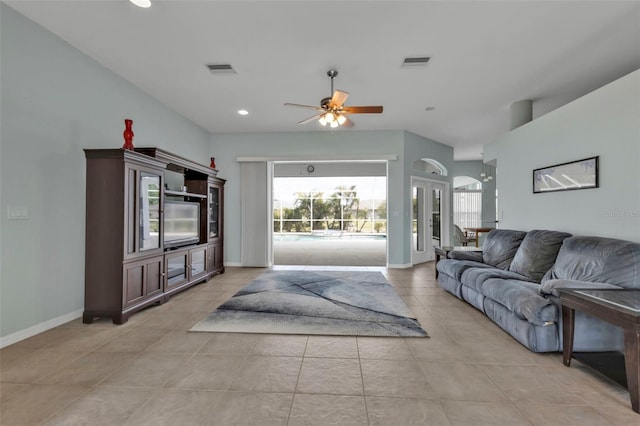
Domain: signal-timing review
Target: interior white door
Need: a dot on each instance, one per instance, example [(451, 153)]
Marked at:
[(419, 223), (429, 222), (435, 208)]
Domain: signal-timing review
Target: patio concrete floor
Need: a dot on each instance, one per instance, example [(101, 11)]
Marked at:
[(331, 252)]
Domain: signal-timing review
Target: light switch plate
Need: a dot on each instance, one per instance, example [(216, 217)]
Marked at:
[(18, 212)]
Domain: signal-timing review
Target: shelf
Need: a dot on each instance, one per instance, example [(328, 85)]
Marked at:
[(184, 194)]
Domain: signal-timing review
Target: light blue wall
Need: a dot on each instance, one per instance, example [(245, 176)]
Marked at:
[(55, 101), (321, 144), (605, 122)]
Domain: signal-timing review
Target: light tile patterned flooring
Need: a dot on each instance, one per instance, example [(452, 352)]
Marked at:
[(151, 371)]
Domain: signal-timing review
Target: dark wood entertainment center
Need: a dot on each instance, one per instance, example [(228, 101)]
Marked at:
[(128, 263)]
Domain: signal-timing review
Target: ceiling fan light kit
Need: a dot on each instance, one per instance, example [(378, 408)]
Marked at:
[(332, 110)]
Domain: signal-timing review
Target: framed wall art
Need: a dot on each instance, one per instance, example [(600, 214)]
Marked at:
[(579, 174)]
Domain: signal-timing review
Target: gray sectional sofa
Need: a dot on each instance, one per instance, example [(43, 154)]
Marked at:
[(516, 277)]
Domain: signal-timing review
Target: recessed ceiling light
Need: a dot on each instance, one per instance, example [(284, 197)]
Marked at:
[(430, 108), (243, 112), (141, 3)]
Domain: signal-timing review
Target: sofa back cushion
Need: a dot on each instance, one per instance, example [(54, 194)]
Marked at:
[(597, 259), (537, 253), (500, 246)]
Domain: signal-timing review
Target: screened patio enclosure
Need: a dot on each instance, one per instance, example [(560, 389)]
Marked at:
[(329, 214)]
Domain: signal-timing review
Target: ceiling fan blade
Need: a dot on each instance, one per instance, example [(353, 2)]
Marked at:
[(347, 123), (305, 106), (371, 109), (310, 119), (339, 97)]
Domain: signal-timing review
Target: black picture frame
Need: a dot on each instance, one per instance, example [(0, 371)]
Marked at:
[(570, 176)]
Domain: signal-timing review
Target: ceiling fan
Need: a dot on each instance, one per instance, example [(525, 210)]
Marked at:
[(332, 111)]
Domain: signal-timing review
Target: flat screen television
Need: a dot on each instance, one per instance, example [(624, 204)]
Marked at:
[(181, 223)]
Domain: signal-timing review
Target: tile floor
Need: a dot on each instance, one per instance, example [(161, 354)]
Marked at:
[(151, 371)]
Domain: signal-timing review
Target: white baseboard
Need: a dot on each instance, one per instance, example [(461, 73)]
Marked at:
[(233, 264), (38, 328), (399, 265)]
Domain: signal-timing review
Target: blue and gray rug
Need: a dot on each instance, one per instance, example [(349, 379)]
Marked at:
[(310, 302)]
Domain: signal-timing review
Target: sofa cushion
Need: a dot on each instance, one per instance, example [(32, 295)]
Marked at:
[(535, 337), (597, 259), (521, 298), (552, 286), (455, 268), (537, 253), (475, 277), (475, 256), (500, 246)]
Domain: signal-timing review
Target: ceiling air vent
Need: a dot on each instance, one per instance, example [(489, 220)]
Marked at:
[(221, 68), (415, 62)]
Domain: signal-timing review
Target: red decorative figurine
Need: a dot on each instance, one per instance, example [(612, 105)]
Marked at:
[(128, 135), (213, 163)]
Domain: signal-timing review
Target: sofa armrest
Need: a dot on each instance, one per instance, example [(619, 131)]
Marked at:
[(550, 287), (475, 256)]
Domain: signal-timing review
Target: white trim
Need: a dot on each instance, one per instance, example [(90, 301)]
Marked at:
[(233, 264), (39, 328), (319, 158)]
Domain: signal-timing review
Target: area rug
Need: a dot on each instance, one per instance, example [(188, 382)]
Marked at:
[(339, 303)]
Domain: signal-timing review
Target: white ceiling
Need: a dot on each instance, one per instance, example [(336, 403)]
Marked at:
[(485, 56)]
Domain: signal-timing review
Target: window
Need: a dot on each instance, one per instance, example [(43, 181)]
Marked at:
[(431, 166), (467, 202)]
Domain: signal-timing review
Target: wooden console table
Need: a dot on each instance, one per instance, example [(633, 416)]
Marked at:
[(477, 232), (618, 307)]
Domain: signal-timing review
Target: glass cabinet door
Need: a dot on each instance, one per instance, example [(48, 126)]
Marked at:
[(149, 211), (177, 268), (198, 262), (214, 200)]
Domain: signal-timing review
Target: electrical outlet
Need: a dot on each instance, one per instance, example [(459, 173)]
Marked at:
[(18, 213)]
